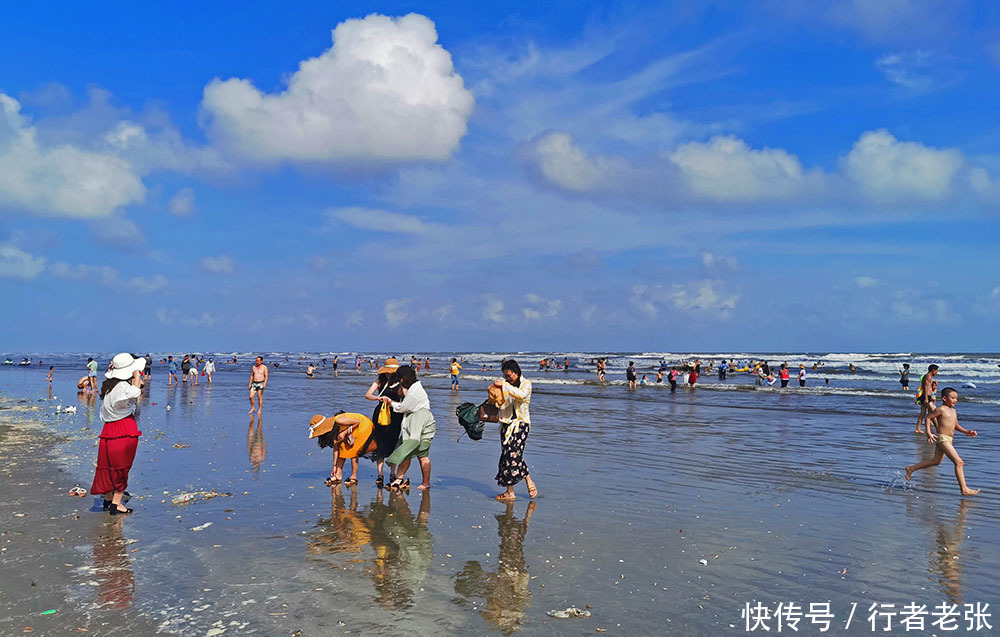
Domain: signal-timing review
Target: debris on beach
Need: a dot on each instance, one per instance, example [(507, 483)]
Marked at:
[(566, 613), (78, 492), (201, 527), (180, 445), (703, 562), (183, 498)]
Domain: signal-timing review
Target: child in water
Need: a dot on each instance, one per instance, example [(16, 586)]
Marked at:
[(945, 420)]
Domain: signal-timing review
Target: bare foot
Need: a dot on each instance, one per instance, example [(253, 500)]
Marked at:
[(909, 472), (251, 410), (918, 431), (970, 492), (422, 487)]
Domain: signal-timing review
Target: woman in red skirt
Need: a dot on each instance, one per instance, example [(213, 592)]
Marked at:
[(120, 435)]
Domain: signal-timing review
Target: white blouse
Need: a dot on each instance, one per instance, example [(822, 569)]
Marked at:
[(120, 402), (415, 399)]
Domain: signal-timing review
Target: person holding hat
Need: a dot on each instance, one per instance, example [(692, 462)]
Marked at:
[(120, 435), (386, 435)]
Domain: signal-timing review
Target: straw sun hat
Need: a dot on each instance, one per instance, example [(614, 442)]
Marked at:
[(124, 365), (391, 365)]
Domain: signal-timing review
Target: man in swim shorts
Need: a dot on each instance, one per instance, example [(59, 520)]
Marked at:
[(257, 384), (946, 424)]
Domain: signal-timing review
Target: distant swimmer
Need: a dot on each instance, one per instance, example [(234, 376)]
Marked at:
[(310, 370), (852, 368), (946, 419)]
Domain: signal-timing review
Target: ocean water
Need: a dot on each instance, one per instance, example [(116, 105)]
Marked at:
[(792, 495)]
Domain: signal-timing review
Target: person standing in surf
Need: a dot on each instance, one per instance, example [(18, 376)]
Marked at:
[(258, 383), (386, 435), (630, 375), (515, 425), (924, 394), (904, 377), (120, 434)]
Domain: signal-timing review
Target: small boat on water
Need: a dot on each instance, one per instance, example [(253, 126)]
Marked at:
[(24, 363), (8, 361)]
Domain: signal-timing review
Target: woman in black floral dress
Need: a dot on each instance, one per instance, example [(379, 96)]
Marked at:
[(515, 425)]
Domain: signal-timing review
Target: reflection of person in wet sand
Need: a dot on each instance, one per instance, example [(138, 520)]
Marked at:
[(506, 591), (945, 560), (945, 419), (402, 545), (256, 446), (403, 548), (112, 567)]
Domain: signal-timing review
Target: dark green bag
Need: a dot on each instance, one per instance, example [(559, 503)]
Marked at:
[(468, 417)]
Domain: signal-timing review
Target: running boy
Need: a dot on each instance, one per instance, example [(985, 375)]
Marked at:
[(946, 424)]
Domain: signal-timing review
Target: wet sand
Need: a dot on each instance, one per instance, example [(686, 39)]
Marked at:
[(787, 498)]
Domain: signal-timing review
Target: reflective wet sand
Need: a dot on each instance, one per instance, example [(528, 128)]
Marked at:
[(786, 497)]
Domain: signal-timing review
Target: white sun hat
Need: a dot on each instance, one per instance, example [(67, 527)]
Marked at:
[(124, 365)]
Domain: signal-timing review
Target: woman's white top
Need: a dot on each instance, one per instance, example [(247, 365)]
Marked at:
[(120, 402), (209, 368), (516, 402), (414, 400)]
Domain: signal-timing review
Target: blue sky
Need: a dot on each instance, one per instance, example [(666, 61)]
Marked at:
[(571, 176)]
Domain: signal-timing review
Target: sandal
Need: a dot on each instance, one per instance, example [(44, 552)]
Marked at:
[(332, 481), (116, 511), (400, 483), (532, 490), (379, 482), (505, 497), (350, 482)]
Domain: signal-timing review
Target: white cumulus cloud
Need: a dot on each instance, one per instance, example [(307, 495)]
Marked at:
[(887, 169), (15, 263), (727, 169), (385, 91), (702, 296), (396, 311), (539, 307), (493, 310), (182, 203), (59, 179), (220, 265), (865, 282), (566, 165)]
